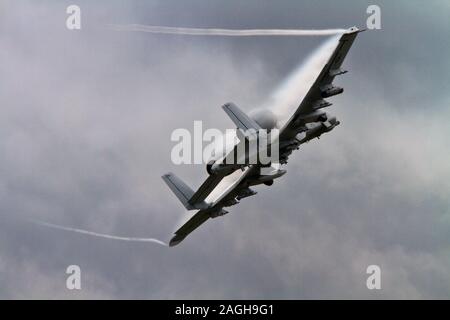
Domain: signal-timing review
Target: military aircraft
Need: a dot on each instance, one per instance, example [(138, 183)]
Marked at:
[(230, 181)]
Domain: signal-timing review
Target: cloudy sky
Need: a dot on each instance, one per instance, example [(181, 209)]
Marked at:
[(85, 124)]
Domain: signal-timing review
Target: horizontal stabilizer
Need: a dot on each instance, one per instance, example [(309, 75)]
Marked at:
[(183, 192), (240, 119)]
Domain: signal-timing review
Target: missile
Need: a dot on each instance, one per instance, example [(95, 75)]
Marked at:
[(266, 177), (332, 91)]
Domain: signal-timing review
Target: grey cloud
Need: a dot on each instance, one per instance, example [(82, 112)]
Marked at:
[(85, 128)]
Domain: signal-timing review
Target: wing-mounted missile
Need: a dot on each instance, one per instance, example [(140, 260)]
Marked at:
[(330, 123), (319, 104), (330, 91), (313, 116), (337, 72), (316, 129), (266, 178)]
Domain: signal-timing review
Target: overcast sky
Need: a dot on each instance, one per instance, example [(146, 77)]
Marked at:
[(85, 124)]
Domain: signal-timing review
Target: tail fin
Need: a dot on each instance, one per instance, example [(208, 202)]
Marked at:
[(182, 191)]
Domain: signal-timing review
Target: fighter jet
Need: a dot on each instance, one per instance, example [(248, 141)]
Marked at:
[(230, 181)]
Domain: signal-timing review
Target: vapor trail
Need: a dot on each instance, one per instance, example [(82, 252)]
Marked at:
[(95, 234), (224, 32), (286, 99)]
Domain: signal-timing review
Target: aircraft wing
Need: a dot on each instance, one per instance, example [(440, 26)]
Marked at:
[(192, 224), (206, 188), (323, 84), (222, 196)]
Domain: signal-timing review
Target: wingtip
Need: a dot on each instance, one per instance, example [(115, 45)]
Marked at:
[(166, 175), (175, 240), (355, 29), (227, 105)]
